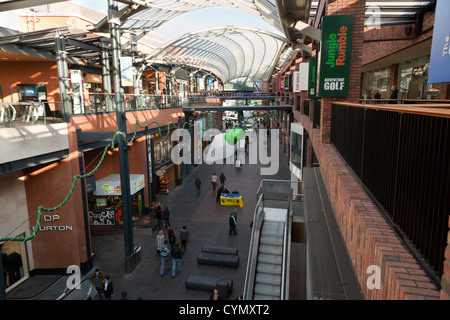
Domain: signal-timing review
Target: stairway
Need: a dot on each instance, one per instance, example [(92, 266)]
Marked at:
[(270, 262)]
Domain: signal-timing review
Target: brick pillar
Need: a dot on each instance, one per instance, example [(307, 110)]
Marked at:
[(358, 9), (445, 280)]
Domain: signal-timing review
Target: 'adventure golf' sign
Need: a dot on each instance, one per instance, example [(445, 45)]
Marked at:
[(335, 55)]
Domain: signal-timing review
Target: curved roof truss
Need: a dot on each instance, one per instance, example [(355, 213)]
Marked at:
[(227, 52), (146, 15)]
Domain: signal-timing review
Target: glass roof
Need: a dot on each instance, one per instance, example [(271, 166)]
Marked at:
[(227, 52), (145, 15)]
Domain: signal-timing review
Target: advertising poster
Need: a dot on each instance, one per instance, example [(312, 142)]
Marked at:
[(126, 71), (335, 56)]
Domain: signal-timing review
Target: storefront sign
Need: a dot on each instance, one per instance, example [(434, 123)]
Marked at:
[(110, 185), (53, 219), (312, 78), (440, 48), (300, 78), (126, 71), (335, 56), (282, 83)]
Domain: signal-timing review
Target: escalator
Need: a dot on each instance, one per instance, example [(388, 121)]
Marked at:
[(268, 269)]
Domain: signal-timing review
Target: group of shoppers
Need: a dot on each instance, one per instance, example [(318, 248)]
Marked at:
[(171, 250)]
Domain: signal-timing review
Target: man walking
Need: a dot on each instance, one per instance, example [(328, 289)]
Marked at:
[(197, 186), (165, 257), (232, 222), (176, 256), (219, 193)]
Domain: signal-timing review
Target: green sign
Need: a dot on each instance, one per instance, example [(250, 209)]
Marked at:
[(312, 77), (335, 55)]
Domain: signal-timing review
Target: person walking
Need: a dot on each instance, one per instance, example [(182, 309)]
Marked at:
[(197, 186), (215, 295), (159, 241), (165, 257), (108, 289), (166, 217), (172, 237), (97, 281), (214, 181), (232, 222), (159, 219), (219, 193), (184, 237), (222, 179), (176, 257)]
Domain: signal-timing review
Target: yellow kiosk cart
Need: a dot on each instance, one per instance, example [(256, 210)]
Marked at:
[(231, 199)]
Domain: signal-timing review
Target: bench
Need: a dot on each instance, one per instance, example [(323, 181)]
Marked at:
[(226, 260), (222, 250), (205, 283)]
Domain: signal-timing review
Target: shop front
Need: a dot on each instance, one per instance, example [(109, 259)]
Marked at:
[(105, 205)]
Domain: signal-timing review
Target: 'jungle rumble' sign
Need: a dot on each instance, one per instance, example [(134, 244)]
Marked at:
[(335, 56)]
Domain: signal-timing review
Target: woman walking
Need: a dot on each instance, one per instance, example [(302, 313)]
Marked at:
[(222, 179)]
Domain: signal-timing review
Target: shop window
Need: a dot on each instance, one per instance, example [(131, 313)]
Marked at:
[(14, 262), (413, 80), (158, 152), (376, 84), (164, 150)]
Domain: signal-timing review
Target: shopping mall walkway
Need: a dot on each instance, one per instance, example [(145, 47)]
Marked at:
[(207, 222), (332, 276)]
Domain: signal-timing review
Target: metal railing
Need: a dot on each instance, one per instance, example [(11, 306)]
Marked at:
[(94, 103), (29, 113), (258, 220), (402, 160)]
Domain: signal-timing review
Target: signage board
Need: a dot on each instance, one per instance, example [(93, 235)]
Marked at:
[(335, 56), (110, 185), (439, 70), (282, 83), (312, 77)]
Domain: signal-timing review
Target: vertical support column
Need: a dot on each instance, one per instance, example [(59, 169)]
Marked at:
[(106, 74), (357, 8), (63, 76), (127, 209), (136, 82)]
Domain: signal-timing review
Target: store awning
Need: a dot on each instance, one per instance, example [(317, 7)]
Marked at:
[(110, 185)]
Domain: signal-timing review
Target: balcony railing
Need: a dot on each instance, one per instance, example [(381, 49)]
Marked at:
[(13, 114), (401, 155)]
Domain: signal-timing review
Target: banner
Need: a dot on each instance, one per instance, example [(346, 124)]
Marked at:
[(282, 83), (335, 56), (126, 71), (439, 70), (296, 80), (312, 78)]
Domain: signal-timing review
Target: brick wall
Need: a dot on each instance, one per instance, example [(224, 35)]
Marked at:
[(445, 280)]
